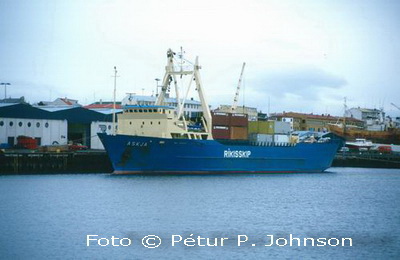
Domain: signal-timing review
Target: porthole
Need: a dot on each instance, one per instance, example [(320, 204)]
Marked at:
[(20, 124), (11, 123), (130, 123), (37, 124), (109, 127), (1, 123), (46, 125), (29, 124)]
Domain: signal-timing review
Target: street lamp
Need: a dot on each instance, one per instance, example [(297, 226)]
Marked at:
[(5, 89)]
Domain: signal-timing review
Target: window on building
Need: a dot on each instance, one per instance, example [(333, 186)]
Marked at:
[(46, 125), (39, 140), (11, 123), (20, 124), (1, 123), (29, 124), (37, 124)]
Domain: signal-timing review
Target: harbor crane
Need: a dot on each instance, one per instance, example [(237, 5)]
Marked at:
[(395, 106), (236, 98)]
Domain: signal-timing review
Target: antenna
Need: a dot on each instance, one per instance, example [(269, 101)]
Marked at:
[(115, 91)]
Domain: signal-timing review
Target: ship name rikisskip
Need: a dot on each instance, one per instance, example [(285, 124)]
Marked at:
[(236, 154)]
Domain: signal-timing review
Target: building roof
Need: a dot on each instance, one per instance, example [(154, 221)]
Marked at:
[(107, 105), (82, 115), (25, 111), (72, 115)]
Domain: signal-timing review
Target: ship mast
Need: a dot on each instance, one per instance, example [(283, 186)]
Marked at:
[(170, 75), (344, 116)]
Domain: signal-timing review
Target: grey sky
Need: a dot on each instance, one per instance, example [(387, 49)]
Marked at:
[(302, 55)]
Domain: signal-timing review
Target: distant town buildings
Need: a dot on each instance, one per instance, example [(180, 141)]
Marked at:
[(311, 122), (250, 111), (374, 118), (20, 100), (59, 102)]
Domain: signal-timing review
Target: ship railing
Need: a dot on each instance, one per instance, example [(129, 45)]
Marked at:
[(280, 144)]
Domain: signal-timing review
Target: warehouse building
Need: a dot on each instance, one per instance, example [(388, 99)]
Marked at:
[(66, 126)]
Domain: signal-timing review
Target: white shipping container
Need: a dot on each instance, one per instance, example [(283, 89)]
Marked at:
[(281, 138), (264, 138), (281, 127)]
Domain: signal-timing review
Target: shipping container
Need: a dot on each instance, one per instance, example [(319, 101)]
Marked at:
[(281, 127), (238, 133), (238, 119), (261, 138), (261, 127), (281, 138), (220, 119), (221, 132)]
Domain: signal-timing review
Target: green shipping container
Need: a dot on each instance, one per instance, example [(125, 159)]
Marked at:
[(261, 127)]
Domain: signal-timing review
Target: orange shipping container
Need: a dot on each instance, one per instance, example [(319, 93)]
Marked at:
[(238, 133)]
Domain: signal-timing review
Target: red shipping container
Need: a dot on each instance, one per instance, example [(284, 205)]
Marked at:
[(237, 119), (220, 119), (221, 132)]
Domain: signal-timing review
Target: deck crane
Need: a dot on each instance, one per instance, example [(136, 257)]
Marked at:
[(395, 106), (235, 99)]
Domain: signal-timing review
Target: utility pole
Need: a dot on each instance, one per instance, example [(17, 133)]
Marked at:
[(115, 91), (157, 80), (5, 84)]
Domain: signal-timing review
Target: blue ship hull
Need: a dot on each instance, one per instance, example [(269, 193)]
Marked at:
[(150, 155)]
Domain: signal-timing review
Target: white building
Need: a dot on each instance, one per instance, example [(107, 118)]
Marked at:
[(66, 126), (19, 119), (374, 118)]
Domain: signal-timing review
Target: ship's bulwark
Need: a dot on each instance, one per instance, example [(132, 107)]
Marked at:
[(149, 155)]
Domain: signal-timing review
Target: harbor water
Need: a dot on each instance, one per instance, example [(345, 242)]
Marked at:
[(354, 211)]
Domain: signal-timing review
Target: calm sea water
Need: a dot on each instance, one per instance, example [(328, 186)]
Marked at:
[(50, 216)]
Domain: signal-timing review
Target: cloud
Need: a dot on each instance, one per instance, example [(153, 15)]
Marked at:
[(307, 83)]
